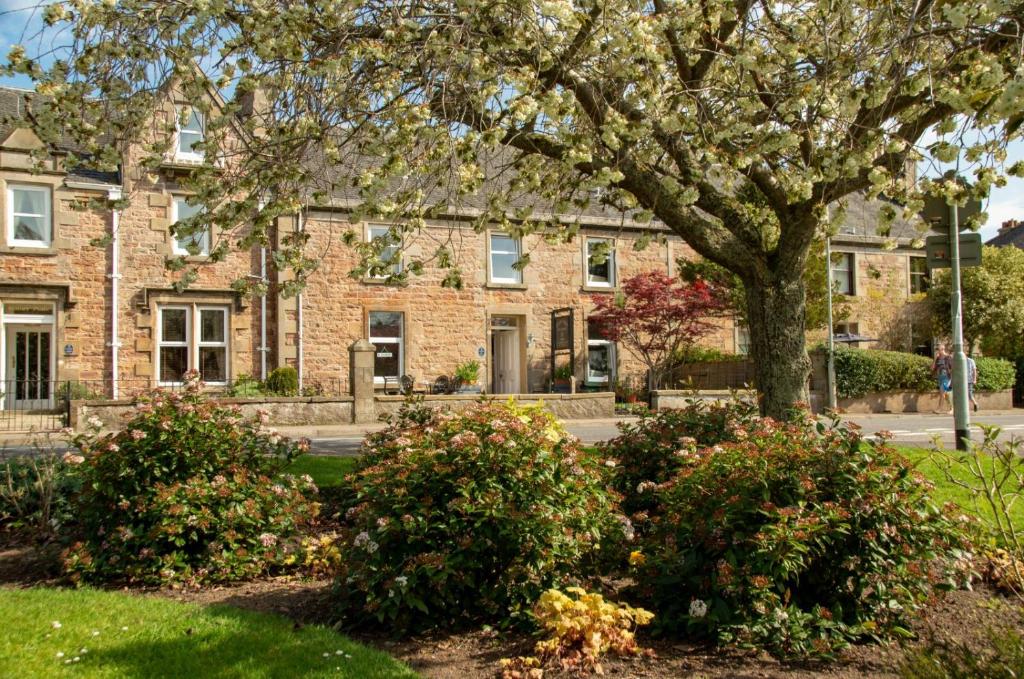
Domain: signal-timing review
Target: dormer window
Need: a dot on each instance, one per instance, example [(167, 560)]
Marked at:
[(190, 134)]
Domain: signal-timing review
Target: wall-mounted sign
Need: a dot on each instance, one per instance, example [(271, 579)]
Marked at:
[(561, 332), (480, 352), (69, 349), (384, 354)]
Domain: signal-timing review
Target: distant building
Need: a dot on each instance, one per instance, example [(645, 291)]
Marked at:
[(1010, 233)]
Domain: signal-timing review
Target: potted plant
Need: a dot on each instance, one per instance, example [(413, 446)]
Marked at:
[(467, 374), (563, 374)]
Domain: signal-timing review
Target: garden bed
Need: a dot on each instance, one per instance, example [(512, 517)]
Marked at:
[(962, 616)]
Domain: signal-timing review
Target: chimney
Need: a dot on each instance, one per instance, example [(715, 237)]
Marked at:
[(910, 171), (254, 104), (1009, 225)]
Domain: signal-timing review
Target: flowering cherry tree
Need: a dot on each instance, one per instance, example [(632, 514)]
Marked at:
[(655, 317), (508, 113)]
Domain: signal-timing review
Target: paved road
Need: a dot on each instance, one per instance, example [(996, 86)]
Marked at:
[(908, 429)]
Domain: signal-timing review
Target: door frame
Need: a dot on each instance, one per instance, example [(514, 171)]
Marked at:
[(24, 323), (518, 328)]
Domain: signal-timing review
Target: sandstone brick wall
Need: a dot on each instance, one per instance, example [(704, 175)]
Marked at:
[(445, 327)]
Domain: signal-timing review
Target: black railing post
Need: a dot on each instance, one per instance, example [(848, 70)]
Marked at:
[(67, 403)]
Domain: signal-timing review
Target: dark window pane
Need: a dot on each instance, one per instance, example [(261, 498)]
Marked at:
[(213, 364), (600, 259), (386, 361), (211, 327), (598, 360), (385, 324), (173, 363), (173, 325)]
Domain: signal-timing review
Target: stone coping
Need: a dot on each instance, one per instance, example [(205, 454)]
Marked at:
[(502, 397), (233, 400)]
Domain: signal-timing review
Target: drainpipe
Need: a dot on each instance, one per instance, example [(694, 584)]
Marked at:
[(115, 278), (263, 314), (298, 301)]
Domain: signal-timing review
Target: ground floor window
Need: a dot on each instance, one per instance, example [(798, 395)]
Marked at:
[(192, 337), (600, 357), (386, 335)]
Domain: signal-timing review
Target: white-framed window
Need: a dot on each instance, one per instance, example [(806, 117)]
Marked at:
[(600, 357), (189, 134), (180, 211), (742, 340), (387, 336), (920, 277), (600, 263), (29, 216), (505, 252), (390, 253), (192, 337), (213, 344), (843, 273)]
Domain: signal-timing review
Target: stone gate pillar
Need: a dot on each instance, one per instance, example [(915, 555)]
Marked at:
[(360, 371)]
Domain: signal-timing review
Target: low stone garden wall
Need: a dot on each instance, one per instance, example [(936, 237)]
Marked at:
[(321, 411), (591, 405), (917, 402), (667, 399), (283, 412)]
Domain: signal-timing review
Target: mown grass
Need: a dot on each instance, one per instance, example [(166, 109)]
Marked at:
[(115, 635), (947, 491), (327, 471)]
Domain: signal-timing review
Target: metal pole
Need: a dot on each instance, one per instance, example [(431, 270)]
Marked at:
[(830, 376), (961, 415)]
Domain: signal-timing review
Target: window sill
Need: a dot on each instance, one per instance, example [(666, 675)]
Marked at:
[(48, 251), (599, 288), (506, 286), (384, 282)]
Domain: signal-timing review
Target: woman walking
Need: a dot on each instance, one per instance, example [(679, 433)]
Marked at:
[(942, 369)]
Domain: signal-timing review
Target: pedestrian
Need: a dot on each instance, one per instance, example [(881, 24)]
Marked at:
[(942, 369), (972, 379)]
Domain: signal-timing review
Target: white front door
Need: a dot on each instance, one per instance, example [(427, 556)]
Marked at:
[(28, 384), (505, 360)]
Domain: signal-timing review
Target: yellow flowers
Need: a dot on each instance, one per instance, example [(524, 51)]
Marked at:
[(582, 627), (637, 558)]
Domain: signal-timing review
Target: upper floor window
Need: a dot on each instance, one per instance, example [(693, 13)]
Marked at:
[(843, 273), (391, 253), (505, 252), (195, 244), (190, 133), (600, 263), (29, 222), (193, 338), (919, 275)]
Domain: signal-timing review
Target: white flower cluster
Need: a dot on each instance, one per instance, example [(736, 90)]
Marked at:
[(698, 608)]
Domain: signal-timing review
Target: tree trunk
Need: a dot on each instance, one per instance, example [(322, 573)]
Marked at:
[(776, 310)]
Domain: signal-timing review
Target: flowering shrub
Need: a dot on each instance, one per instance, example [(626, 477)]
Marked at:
[(646, 449), (459, 517), (187, 491), (580, 630), (797, 539)]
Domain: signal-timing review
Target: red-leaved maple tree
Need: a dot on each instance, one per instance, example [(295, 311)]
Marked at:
[(656, 317)]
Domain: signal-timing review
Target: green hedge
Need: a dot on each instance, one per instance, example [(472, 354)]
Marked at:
[(995, 374), (865, 371)]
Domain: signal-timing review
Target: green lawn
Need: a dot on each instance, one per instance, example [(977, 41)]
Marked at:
[(111, 634), (326, 471), (946, 491)]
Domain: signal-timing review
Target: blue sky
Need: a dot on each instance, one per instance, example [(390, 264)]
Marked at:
[(20, 21)]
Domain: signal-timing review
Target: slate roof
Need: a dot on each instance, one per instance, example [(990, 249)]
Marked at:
[(15, 109), (1013, 236)]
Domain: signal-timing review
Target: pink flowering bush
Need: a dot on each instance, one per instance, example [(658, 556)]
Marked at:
[(799, 538), (646, 450), (459, 518), (187, 491)]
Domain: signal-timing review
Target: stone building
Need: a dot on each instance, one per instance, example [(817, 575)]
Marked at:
[(86, 296)]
